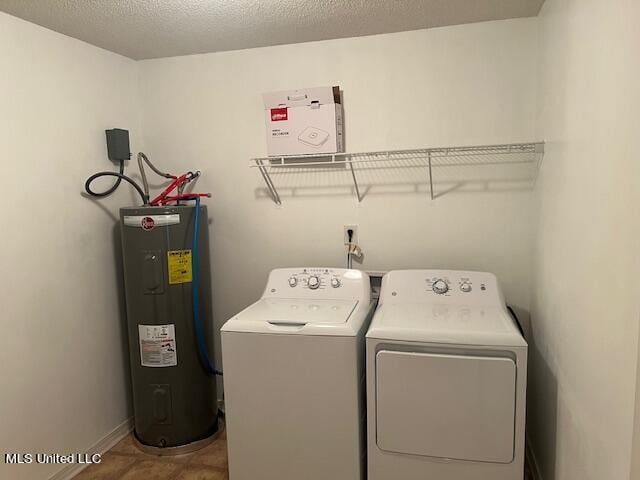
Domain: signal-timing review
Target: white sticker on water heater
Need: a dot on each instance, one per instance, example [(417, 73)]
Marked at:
[(158, 345), (147, 222)]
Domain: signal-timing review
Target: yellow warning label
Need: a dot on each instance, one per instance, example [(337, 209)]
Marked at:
[(179, 264)]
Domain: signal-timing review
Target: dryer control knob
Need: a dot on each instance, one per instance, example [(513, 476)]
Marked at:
[(293, 281), (440, 287), (313, 282), (465, 287), (335, 282)]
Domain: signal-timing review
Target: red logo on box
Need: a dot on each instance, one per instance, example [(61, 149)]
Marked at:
[(279, 114)]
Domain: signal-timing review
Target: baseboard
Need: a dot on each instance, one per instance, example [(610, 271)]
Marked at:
[(101, 446), (533, 461)]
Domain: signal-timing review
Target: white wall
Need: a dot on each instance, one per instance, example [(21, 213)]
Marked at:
[(585, 307), (62, 359), (473, 84)]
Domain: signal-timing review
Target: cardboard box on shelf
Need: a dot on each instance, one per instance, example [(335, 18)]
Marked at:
[(304, 122)]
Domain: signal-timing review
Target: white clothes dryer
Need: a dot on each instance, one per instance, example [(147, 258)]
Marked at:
[(446, 380)]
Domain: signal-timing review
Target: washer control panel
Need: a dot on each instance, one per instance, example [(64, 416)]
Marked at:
[(442, 286), (315, 279), (312, 282)]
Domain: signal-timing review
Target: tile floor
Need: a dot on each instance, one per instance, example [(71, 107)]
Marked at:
[(126, 462)]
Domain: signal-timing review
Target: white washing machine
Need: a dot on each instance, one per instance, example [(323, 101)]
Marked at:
[(294, 378), (446, 380)]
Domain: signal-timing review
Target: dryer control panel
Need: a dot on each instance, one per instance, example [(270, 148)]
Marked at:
[(455, 287), (318, 282)]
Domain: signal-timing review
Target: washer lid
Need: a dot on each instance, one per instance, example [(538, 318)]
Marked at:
[(284, 314), (452, 324)]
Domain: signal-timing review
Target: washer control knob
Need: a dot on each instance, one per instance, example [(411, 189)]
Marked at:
[(465, 287), (293, 281), (335, 282), (440, 287), (313, 282)]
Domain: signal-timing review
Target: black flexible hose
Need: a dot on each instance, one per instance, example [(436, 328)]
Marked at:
[(120, 176), (110, 190)]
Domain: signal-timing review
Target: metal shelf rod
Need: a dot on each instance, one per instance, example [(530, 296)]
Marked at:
[(430, 177), (355, 183), (269, 182), (328, 167)]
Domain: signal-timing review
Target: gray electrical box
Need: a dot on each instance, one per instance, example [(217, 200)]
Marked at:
[(174, 398), (118, 148)]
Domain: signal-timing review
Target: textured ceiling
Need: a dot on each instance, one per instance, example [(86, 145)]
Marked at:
[(161, 28)]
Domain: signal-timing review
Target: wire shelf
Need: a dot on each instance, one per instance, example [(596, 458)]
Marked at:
[(523, 160)]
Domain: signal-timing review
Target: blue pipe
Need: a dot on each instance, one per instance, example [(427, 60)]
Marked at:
[(195, 299)]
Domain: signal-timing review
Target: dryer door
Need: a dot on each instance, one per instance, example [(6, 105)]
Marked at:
[(446, 406)]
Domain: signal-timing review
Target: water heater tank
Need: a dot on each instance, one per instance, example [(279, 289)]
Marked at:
[(174, 397)]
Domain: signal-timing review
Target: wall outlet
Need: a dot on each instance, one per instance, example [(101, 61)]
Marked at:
[(354, 238)]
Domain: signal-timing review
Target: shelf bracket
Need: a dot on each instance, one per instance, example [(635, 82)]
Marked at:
[(430, 176), (355, 182), (267, 179)]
